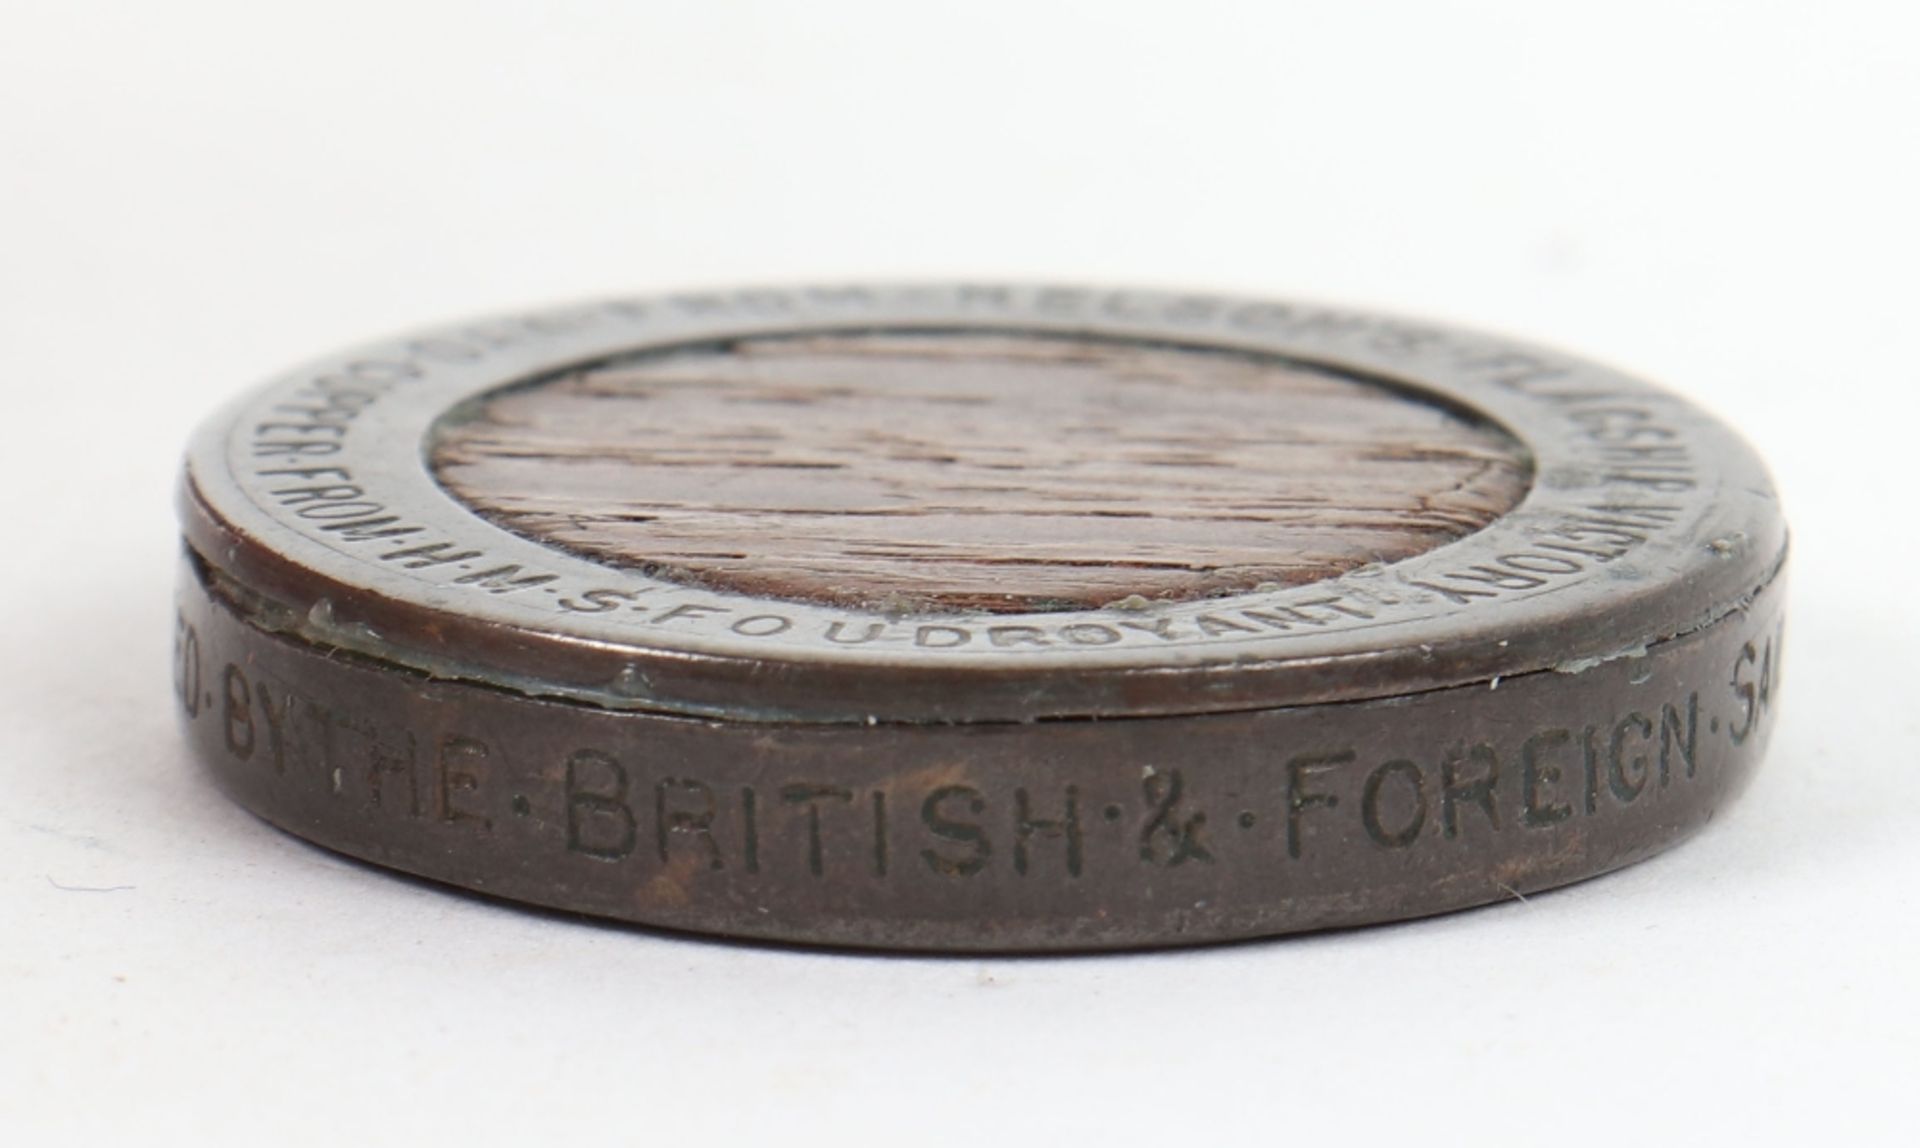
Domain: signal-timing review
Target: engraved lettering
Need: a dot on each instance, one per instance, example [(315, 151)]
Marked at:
[(1538, 775), (600, 824), (835, 630), (1016, 636), (269, 449), (1161, 628), (1541, 564), (503, 579), (431, 554), (1460, 597), (597, 601), (1503, 579), (941, 637), (1090, 634), (188, 681), (277, 716), (1300, 771), (383, 763), (1454, 792), (1026, 825), (1166, 839), (811, 796), (1752, 687), (762, 625), (371, 529), (672, 815), (239, 712), (968, 833), (1213, 625), (326, 492), (1627, 775), (459, 762), (1590, 767), (336, 511), (1370, 804), (1673, 741), (306, 472)]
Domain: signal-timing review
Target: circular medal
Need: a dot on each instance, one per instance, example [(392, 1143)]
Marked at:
[(977, 617)]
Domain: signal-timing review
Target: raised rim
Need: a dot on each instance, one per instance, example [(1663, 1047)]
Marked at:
[(1647, 519)]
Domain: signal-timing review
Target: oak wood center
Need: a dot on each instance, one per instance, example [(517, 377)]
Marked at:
[(968, 471)]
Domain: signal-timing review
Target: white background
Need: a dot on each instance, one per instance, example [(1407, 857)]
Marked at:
[(194, 195)]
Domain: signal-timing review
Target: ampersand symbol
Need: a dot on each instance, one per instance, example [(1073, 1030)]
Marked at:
[(1165, 839)]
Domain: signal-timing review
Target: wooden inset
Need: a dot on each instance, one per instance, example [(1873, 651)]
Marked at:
[(970, 471)]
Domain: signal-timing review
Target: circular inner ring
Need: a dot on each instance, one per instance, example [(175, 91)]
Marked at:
[(966, 471)]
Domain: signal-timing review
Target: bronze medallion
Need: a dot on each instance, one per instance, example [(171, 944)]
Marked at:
[(978, 617)]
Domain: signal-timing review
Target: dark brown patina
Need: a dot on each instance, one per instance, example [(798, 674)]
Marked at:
[(1198, 618)]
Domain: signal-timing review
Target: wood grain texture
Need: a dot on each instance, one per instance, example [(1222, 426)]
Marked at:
[(950, 471)]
